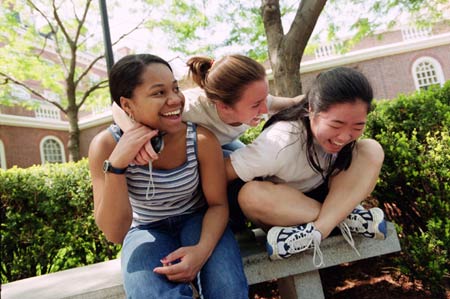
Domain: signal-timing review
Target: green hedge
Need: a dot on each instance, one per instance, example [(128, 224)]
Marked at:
[(47, 221), (414, 185)]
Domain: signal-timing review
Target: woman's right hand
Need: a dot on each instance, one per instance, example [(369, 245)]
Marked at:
[(146, 152), (134, 147)]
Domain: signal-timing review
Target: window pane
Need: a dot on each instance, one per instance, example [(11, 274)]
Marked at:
[(52, 152), (426, 75)]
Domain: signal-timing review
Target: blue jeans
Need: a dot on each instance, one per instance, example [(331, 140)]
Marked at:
[(222, 276), (228, 148)]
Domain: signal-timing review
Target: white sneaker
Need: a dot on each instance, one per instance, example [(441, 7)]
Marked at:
[(369, 223), (282, 242)]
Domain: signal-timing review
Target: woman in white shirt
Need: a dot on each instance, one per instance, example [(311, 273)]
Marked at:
[(314, 170), (233, 95)]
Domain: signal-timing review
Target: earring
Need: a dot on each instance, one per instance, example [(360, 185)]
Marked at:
[(130, 116)]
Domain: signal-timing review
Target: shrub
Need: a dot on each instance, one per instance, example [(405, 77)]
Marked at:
[(47, 221), (414, 184), (252, 133)]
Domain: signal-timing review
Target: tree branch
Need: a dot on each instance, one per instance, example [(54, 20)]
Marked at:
[(129, 32), (270, 12), (49, 23), (31, 90), (88, 69), (303, 24), (98, 85)]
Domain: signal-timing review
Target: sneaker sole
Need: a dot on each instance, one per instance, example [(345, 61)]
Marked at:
[(271, 244), (378, 224)]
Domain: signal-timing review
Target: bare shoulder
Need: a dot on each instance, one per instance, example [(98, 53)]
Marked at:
[(208, 144), (205, 136), (103, 142)]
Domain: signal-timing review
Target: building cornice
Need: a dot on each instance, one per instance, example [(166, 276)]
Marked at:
[(29, 122)]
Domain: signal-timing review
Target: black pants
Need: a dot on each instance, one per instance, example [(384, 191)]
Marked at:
[(238, 221)]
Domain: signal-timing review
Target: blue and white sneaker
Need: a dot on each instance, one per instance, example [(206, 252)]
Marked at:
[(282, 242), (369, 223)]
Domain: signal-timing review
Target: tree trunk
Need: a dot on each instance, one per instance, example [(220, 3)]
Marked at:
[(286, 74), (74, 134), (286, 50)]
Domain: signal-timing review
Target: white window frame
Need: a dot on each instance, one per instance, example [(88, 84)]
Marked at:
[(439, 74), (61, 146), (2, 155)]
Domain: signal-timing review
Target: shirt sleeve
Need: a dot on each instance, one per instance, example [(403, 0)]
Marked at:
[(263, 157), (190, 97)]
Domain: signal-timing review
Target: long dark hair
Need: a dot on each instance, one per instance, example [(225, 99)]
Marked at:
[(336, 86)]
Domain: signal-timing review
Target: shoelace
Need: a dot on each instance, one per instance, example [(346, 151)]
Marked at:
[(317, 252), (347, 234)]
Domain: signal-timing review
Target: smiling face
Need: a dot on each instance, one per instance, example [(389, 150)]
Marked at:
[(250, 107), (157, 102), (339, 125)]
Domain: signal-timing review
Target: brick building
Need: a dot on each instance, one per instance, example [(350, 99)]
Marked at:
[(401, 61)]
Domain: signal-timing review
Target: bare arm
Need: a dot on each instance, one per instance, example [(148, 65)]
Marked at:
[(280, 103), (214, 188), (112, 208), (215, 220), (231, 173)]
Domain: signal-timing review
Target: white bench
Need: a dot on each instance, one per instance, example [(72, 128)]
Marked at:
[(297, 276)]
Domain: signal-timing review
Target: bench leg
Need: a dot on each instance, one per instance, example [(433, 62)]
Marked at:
[(305, 286)]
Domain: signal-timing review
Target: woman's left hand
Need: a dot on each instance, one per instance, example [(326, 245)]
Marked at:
[(183, 264)]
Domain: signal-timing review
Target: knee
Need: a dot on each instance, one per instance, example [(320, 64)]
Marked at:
[(252, 200), (371, 151)]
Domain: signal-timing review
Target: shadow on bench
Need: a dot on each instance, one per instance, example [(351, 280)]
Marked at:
[(297, 276)]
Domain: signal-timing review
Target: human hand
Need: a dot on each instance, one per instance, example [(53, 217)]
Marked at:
[(183, 264), (146, 152), (132, 147)]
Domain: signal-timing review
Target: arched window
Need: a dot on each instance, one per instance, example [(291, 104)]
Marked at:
[(426, 72), (2, 156), (52, 150)]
